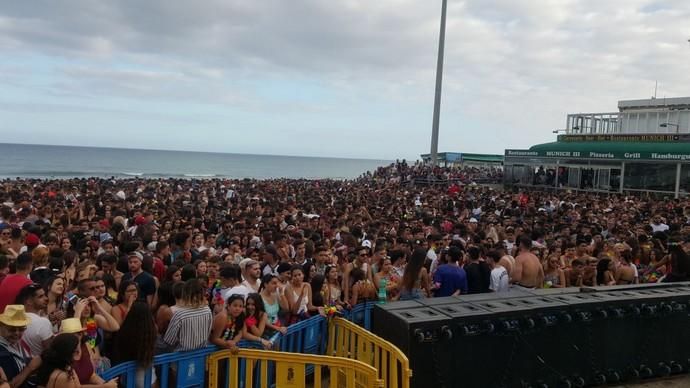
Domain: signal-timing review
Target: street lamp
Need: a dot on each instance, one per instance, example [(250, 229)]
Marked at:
[(666, 125)]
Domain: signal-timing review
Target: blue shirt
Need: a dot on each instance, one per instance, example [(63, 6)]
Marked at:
[(449, 278)]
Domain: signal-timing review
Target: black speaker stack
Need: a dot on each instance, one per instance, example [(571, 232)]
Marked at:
[(542, 338)]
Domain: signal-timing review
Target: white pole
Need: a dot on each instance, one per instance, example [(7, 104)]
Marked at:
[(439, 81)]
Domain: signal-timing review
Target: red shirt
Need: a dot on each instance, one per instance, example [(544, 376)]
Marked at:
[(83, 366), (11, 286), (158, 268)]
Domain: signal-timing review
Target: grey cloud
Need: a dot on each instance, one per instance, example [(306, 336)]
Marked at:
[(309, 35), (516, 66)]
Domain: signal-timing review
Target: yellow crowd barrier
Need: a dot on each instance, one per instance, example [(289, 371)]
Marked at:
[(346, 339), (261, 368)]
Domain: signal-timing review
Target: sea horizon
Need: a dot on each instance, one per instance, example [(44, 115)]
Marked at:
[(191, 151), (74, 161)]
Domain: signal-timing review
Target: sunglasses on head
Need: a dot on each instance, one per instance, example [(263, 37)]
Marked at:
[(34, 286)]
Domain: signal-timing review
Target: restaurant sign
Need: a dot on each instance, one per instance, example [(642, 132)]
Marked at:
[(658, 156), (651, 137)]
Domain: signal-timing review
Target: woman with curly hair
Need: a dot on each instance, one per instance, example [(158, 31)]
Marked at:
[(56, 364)]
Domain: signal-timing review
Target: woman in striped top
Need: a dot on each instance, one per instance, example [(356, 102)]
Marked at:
[(190, 325)]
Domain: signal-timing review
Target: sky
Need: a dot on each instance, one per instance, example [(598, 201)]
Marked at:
[(341, 78)]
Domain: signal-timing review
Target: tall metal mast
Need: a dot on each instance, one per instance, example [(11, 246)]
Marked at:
[(439, 82)]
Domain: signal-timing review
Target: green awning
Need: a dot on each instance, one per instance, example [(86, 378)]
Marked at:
[(483, 158), (615, 147), (606, 150)]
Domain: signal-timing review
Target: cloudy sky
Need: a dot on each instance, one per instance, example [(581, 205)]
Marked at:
[(345, 78)]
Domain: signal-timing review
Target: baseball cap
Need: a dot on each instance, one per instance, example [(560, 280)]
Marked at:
[(32, 240)]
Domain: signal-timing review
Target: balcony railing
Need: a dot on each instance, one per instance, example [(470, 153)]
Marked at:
[(593, 124), (657, 121)]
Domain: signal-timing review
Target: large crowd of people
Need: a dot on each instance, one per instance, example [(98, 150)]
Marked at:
[(422, 173), (95, 272)]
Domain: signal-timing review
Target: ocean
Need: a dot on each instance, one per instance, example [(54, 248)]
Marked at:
[(47, 161)]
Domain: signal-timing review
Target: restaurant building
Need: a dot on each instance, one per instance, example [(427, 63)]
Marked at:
[(644, 147)]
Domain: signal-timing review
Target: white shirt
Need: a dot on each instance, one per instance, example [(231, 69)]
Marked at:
[(268, 270), (249, 286), (659, 228), (499, 279), (431, 255), (38, 330)]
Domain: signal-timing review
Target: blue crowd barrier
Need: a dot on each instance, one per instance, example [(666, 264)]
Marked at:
[(305, 336), (360, 314), (308, 337), (190, 369)]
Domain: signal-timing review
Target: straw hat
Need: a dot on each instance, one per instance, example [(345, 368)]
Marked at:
[(15, 316), (71, 326)]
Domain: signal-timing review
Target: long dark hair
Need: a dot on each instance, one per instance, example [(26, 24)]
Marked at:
[(49, 284), (259, 307), (680, 263), (59, 355), (123, 290), (413, 269), (188, 272), (110, 282), (316, 286), (265, 280), (602, 267), (327, 270), (306, 269), (169, 272), (239, 321), (165, 295), (137, 336)]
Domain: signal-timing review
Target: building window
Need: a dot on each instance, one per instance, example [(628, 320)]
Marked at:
[(648, 176), (685, 178)]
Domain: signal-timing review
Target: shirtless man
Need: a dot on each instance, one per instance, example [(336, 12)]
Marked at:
[(574, 276), (569, 256), (528, 271), (582, 250), (109, 266)]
